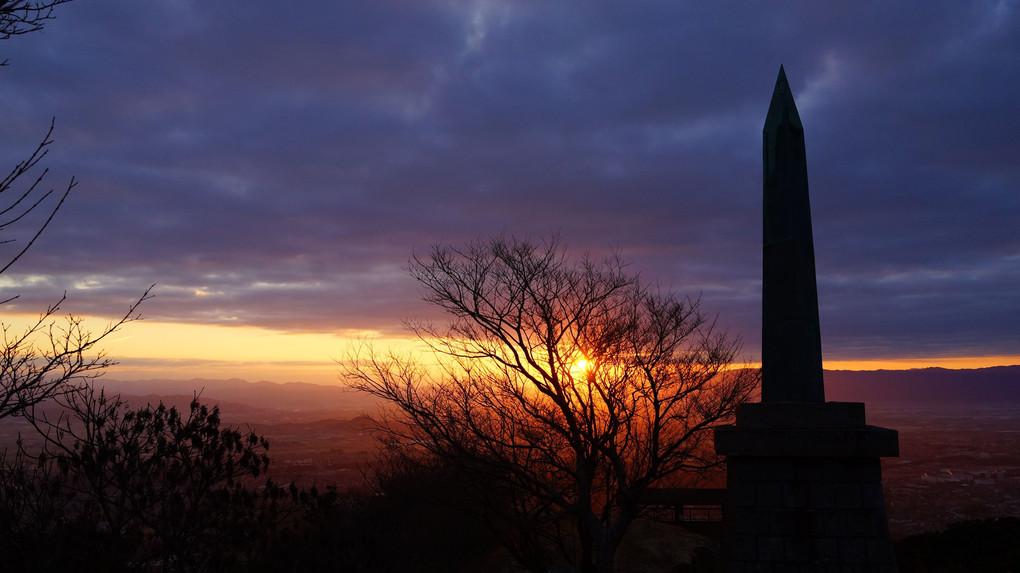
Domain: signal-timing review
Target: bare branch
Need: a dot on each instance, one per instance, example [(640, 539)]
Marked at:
[(8, 210), (52, 358), (23, 16)]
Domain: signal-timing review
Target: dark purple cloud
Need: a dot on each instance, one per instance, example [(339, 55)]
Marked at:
[(286, 160)]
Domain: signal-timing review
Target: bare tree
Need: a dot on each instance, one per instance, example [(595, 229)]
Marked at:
[(50, 358), (19, 17), (567, 388)]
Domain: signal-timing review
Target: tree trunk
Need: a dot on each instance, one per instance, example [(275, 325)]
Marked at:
[(587, 544)]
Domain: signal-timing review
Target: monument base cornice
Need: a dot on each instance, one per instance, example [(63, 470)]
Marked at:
[(869, 441), (809, 429)]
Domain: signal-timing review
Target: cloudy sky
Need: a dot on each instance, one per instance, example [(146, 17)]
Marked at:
[(271, 166)]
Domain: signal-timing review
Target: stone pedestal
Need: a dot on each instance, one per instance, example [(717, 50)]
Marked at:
[(804, 489)]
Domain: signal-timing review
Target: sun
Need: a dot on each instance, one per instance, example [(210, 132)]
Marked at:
[(580, 367)]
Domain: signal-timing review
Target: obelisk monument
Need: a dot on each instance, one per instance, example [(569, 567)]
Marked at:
[(804, 480), (791, 343)]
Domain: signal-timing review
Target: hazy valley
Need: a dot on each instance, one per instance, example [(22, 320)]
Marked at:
[(959, 434)]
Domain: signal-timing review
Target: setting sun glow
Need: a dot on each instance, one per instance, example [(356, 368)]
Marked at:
[(150, 350), (580, 367)]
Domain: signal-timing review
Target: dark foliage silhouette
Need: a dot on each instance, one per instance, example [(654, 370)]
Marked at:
[(142, 489), (982, 546), (412, 518)]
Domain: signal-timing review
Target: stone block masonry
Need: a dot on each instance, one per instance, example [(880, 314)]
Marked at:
[(806, 499)]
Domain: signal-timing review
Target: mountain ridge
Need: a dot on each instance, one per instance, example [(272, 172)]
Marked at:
[(920, 385), (238, 393), (925, 385)]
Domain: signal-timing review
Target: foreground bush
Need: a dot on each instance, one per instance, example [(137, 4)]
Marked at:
[(980, 546)]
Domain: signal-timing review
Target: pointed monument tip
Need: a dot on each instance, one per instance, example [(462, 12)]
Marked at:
[(782, 85), (781, 79), (782, 108)]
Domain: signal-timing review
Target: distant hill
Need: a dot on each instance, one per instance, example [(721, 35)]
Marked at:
[(240, 395), (999, 384)]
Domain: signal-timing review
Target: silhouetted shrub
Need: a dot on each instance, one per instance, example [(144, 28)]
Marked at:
[(143, 489), (981, 546), (419, 518)]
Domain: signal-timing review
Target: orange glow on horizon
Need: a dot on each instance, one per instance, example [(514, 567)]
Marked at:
[(147, 349), (151, 349), (948, 362)]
